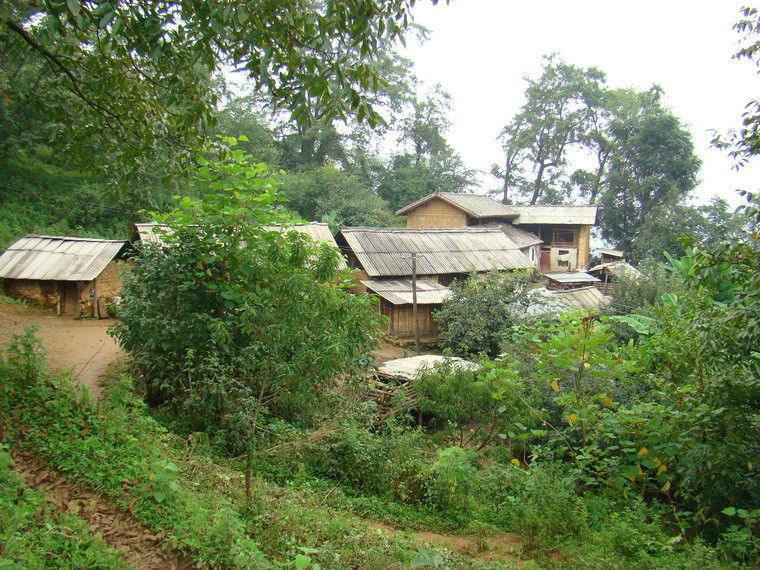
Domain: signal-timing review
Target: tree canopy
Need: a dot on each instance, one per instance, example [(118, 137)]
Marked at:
[(132, 81)]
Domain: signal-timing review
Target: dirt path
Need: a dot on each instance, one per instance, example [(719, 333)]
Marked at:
[(82, 346), (505, 547), (387, 351), (141, 549)]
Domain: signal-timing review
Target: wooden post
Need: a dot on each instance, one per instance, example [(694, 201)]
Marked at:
[(414, 303)]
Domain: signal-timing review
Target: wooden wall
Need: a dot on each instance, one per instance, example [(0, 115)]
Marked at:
[(436, 213), (584, 245), (402, 319)]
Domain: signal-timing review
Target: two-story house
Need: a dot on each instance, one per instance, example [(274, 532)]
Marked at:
[(554, 238)]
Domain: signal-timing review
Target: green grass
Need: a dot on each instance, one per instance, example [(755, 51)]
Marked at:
[(186, 488), (171, 485)]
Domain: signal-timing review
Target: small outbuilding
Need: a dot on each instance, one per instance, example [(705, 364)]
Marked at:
[(565, 281), (74, 275), (396, 303), (611, 274), (610, 255)]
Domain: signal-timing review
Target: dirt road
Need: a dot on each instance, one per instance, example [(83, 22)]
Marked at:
[(81, 346)]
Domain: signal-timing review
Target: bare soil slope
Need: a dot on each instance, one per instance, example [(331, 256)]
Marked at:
[(81, 346)]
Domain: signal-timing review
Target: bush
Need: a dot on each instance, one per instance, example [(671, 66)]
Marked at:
[(547, 508), (481, 310), (231, 320)]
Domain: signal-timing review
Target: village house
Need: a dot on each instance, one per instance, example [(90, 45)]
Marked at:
[(76, 276), (555, 238), (382, 260), (611, 274)]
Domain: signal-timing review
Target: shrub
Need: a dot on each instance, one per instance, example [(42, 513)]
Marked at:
[(547, 507), (481, 309)]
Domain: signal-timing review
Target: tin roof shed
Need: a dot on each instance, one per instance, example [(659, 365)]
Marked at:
[(399, 291), (54, 258)]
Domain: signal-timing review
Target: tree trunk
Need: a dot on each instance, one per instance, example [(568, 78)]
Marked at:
[(507, 175), (249, 453), (537, 184)]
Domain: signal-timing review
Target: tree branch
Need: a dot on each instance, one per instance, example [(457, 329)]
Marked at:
[(56, 63)]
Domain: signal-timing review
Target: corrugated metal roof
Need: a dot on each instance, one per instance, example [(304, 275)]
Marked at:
[(578, 277), (521, 238), (411, 368), (53, 258), (618, 269), (476, 205), (585, 298), (385, 252), (152, 233), (611, 252), (583, 215), (319, 232), (399, 291)]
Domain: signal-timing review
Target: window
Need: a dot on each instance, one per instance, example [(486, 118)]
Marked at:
[(564, 237)]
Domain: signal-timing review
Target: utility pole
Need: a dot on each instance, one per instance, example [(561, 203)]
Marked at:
[(414, 303)]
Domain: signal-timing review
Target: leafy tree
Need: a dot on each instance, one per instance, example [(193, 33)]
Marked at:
[(329, 192), (653, 170), (562, 110), (243, 116), (744, 144), (481, 310), (464, 401), (140, 73), (230, 321), (430, 163)]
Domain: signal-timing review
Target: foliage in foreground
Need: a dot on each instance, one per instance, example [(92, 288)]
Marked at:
[(480, 309), (33, 536), (177, 486), (234, 317)]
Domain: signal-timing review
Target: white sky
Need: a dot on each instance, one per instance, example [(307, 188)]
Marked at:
[(480, 50)]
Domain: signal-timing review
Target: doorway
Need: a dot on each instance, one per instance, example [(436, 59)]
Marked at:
[(70, 297)]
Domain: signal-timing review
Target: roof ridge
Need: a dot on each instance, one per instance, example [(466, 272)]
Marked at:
[(467, 229), (72, 238)]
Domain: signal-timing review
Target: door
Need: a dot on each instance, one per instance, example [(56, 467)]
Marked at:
[(545, 260), (70, 297)]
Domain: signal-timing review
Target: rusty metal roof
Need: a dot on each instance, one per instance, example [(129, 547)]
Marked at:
[(411, 368), (53, 258), (385, 252), (561, 215), (399, 291), (476, 205)]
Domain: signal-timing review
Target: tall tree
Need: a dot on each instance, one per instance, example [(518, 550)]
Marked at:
[(558, 113), (428, 162), (653, 169)]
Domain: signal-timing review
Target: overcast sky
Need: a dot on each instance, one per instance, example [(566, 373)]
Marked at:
[(480, 50)]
